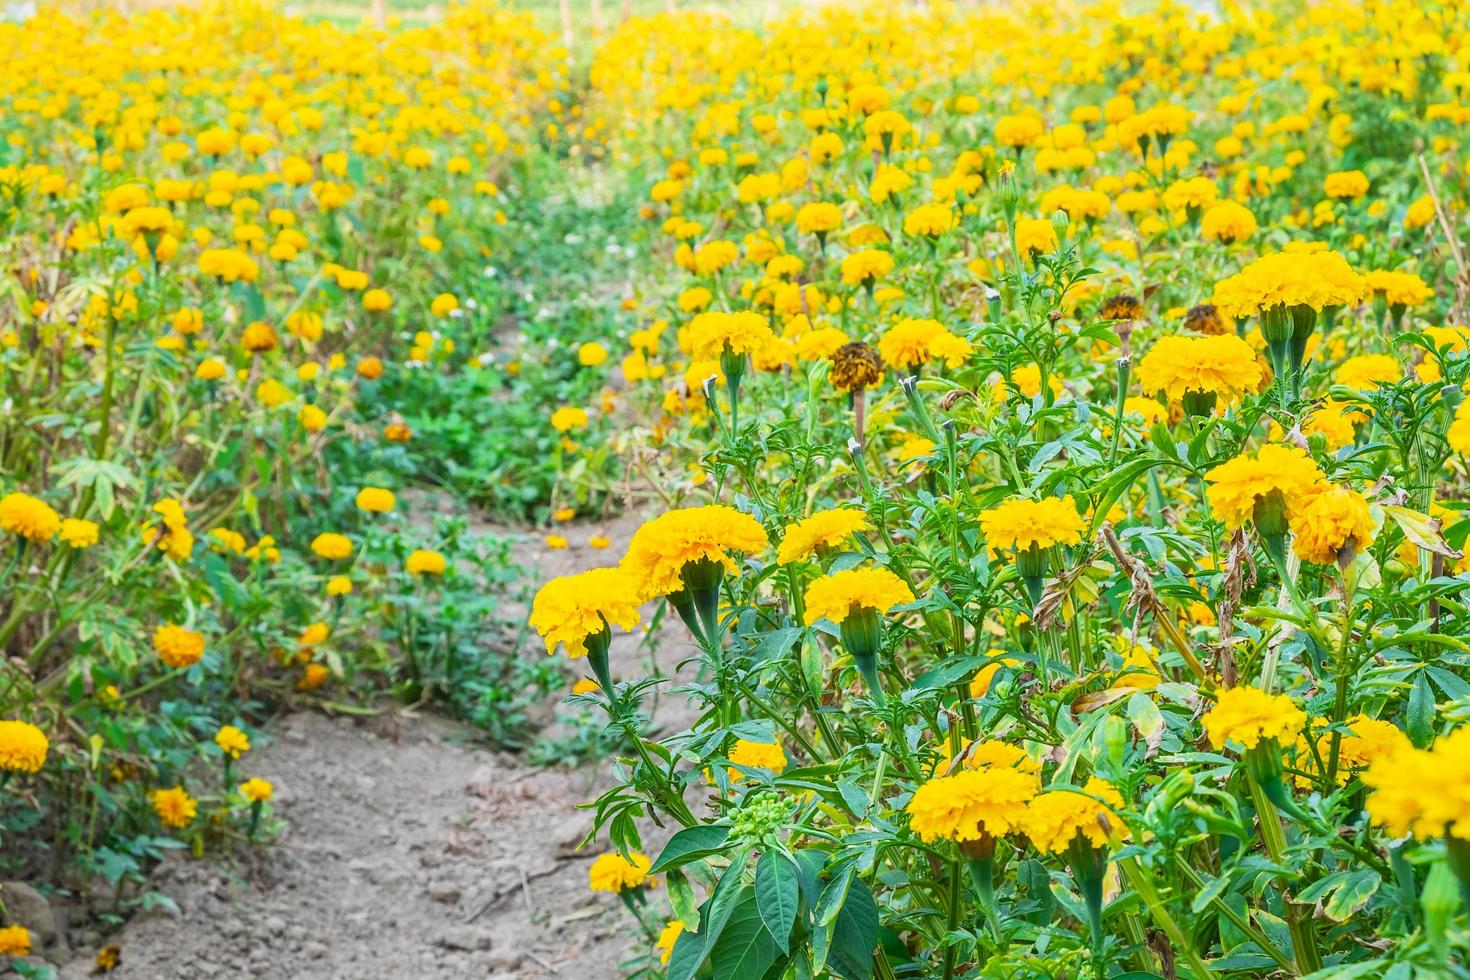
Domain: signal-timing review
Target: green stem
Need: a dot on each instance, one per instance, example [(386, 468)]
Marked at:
[(1239, 921), (951, 951), (1273, 835), (1144, 886)]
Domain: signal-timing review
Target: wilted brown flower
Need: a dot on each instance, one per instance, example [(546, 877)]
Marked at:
[(855, 366)]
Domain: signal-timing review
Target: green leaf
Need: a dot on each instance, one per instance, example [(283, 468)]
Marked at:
[(681, 897), (776, 643), (855, 936), (1146, 717), (1419, 716), (689, 845), (1352, 895), (834, 896), (950, 673), (778, 896), (745, 948), (687, 955), (1214, 888)]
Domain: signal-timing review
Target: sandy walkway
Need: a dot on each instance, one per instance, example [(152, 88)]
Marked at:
[(410, 852)]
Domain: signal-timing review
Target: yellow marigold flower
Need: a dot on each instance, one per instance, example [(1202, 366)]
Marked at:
[(972, 803), (666, 939), (568, 610), (23, 747), (616, 874), (1247, 715), (1315, 280), (108, 958), (980, 683), (1424, 793), (1147, 409), (1055, 818), (1420, 212), (314, 635), (1223, 365), (30, 517), (1458, 433), (210, 369), (15, 941), (231, 741), (865, 267), (822, 530), (444, 304), (1273, 478), (661, 548), (1333, 524), (377, 300), (172, 512), (1335, 425), (1227, 222), (1345, 184), (272, 394), (375, 500), (983, 755), (257, 790), (591, 354), (1036, 236), (258, 337), (837, 596), (1018, 131), (227, 542), (713, 333), (1194, 192), (557, 542), (929, 221), (422, 562), (331, 546), (175, 807), (1399, 288), (1367, 740), (1025, 524), (339, 585), (313, 676), (818, 218), (569, 417), (910, 343), (78, 533), (177, 646), (264, 550), (758, 755), (1368, 371), (370, 368)]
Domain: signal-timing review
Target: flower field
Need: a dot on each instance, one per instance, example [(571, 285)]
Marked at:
[(1049, 421)]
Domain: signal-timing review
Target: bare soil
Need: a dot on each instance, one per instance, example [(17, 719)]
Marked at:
[(410, 851)]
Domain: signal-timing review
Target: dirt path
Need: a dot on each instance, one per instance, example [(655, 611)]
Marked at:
[(409, 852)]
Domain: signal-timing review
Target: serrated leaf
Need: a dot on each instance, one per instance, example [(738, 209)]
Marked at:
[(1214, 888)]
